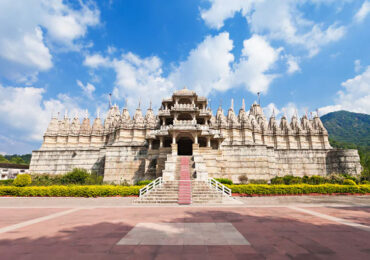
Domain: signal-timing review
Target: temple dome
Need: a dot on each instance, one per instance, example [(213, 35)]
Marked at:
[(184, 92)]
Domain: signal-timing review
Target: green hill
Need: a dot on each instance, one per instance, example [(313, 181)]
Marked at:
[(350, 130), (347, 127)]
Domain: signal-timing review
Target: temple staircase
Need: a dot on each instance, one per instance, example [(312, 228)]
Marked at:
[(183, 189)]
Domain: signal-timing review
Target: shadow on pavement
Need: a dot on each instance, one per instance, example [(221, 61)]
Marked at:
[(285, 235)]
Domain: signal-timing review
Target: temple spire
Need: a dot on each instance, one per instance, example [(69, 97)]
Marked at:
[(243, 104), (66, 114), (86, 113), (232, 104)]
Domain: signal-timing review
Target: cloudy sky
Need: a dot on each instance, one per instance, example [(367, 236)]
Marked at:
[(69, 55)]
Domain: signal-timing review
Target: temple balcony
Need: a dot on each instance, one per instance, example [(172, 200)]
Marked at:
[(164, 112), (184, 107)]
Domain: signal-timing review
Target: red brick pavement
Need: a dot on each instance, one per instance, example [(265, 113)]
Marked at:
[(274, 233)]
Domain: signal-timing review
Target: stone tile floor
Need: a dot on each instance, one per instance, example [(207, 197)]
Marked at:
[(36, 231), (183, 234)]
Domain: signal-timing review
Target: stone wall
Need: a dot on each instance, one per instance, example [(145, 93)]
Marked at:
[(58, 161), (132, 163), (263, 162)]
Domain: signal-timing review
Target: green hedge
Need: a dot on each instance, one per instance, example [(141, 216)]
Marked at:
[(261, 189), (70, 191)]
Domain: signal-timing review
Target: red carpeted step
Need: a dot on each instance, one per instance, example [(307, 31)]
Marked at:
[(185, 183)]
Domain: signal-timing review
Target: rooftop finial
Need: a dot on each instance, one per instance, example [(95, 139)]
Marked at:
[(306, 110), (259, 99), (76, 116), (232, 104), (273, 112), (110, 100), (139, 103), (86, 113), (150, 105), (317, 112), (98, 113), (295, 113), (66, 114), (243, 104)]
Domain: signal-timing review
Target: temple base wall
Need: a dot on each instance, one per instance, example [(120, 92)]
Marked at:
[(57, 161), (128, 164), (263, 163)]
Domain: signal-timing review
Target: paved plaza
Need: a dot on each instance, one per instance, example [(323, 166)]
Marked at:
[(294, 227)]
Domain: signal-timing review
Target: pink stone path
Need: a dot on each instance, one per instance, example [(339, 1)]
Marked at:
[(273, 233), (185, 182)]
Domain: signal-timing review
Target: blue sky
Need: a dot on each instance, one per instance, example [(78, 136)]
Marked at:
[(69, 55)]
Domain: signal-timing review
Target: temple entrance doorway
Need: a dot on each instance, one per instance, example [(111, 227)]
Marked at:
[(185, 146)]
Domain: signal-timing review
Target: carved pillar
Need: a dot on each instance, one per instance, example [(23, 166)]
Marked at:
[(161, 141), (208, 141), (150, 144)]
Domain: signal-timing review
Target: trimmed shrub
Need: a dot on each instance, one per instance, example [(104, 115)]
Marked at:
[(6, 182), (22, 180), (94, 179), (46, 179), (224, 181), (277, 180), (290, 179), (348, 182), (335, 178), (144, 182), (315, 179), (70, 191), (256, 189), (243, 179), (365, 182), (76, 176), (257, 181)]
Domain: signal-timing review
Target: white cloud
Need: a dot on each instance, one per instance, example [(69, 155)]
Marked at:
[(362, 12), (95, 61), (210, 66), (293, 65), (355, 96), (221, 10), (207, 67), (280, 20), (87, 89), (358, 66), (257, 58), (29, 30), (25, 111)]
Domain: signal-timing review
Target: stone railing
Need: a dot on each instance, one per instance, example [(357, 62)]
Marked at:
[(184, 122), (184, 106)]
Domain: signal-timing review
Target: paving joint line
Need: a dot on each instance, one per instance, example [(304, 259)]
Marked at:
[(36, 220), (331, 218)]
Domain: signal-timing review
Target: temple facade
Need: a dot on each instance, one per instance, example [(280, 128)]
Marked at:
[(236, 145)]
